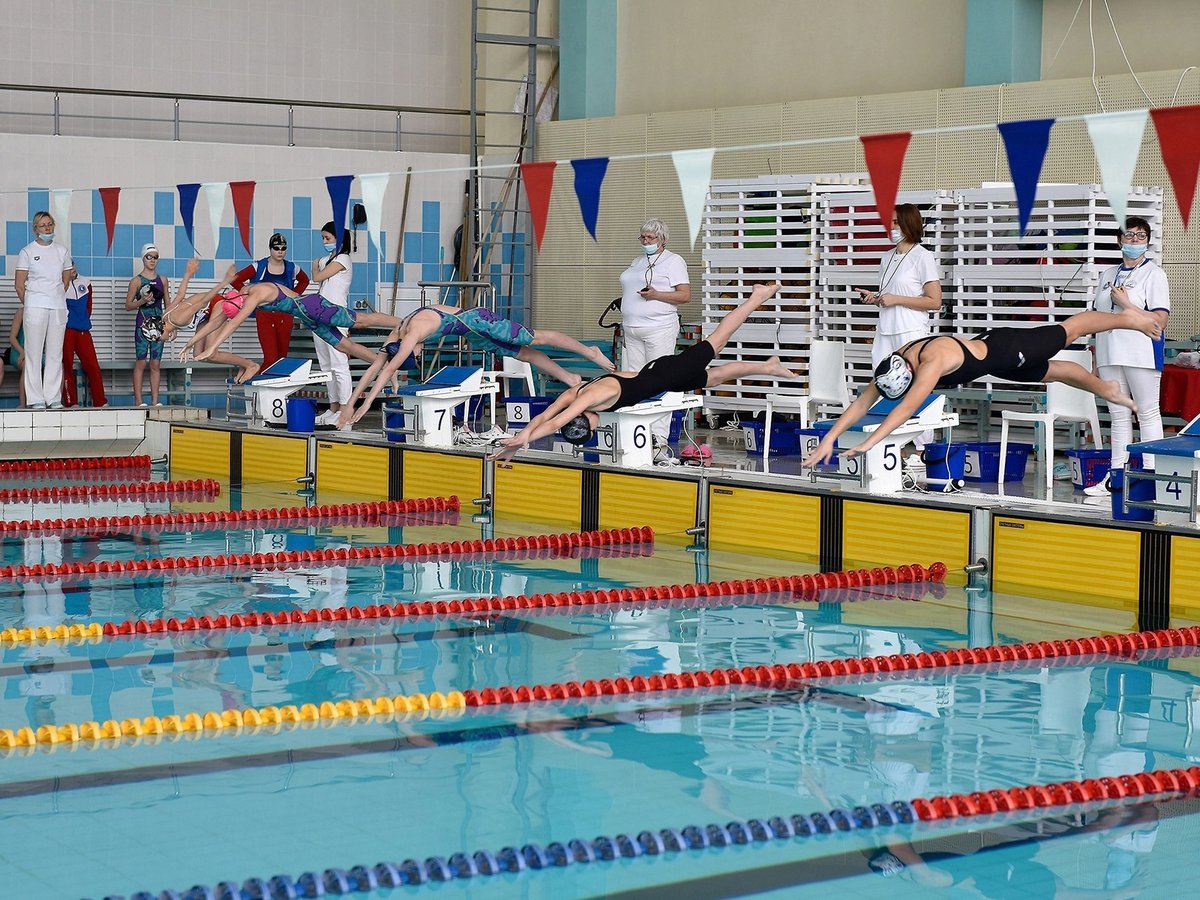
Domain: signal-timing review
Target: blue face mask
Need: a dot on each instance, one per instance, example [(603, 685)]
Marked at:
[(649, 249), (330, 247), (46, 238), (1133, 251)]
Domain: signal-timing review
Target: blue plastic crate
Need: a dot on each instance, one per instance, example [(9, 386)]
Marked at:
[(520, 410), (785, 438), (982, 462), (1088, 467)]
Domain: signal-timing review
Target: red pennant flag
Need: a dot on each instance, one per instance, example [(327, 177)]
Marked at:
[(243, 199), (111, 198), (884, 154), (539, 181), (1179, 142)]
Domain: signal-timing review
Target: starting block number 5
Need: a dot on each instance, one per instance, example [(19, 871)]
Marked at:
[(889, 453)]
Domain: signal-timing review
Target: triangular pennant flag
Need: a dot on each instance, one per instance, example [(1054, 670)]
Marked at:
[(1179, 140), (243, 201), (538, 178), (1025, 143), (589, 176), (339, 197), (60, 208), (1117, 140), (111, 198), (187, 210), (373, 188), (214, 193), (884, 155), (694, 170)]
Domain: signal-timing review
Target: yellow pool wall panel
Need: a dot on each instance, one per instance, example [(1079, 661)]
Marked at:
[(765, 523), (1070, 562), (534, 493), (268, 459), (666, 505), (200, 451), (352, 470), (442, 475), (1185, 577), (888, 534)]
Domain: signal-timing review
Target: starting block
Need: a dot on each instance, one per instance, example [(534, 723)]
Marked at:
[(1176, 474), (624, 435), (429, 406), (881, 468), (271, 387)]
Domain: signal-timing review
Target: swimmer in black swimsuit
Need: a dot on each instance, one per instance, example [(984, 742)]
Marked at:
[(1017, 354), (575, 410)]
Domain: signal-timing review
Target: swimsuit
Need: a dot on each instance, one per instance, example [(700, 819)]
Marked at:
[(1015, 354), (143, 348), (318, 315), (484, 330), (685, 371)]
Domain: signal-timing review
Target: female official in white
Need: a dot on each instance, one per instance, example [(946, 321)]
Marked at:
[(1132, 358), (332, 273), (909, 290), (41, 286), (652, 289)]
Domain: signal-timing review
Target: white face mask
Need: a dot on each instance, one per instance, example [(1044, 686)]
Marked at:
[(897, 235)]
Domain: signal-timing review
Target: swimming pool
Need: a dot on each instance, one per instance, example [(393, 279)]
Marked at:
[(228, 804)]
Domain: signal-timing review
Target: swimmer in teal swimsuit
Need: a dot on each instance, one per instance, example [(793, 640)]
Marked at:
[(484, 330), (326, 320)]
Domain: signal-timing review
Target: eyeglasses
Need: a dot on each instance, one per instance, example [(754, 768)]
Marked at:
[(649, 237), (1135, 236)]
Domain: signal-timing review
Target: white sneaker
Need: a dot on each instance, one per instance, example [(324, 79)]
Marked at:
[(914, 461), (662, 450), (55, 405), (1102, 488), (329, 417)]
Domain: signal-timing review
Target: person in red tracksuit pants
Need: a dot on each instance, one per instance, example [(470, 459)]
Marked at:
[(274, 329), (78, 342)]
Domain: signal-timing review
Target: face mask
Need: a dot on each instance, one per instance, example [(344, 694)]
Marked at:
[(649, 249), (330, 247), (46, 238), (897, 235), (1133, 251)]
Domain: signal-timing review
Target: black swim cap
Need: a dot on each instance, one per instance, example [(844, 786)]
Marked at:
[(578, 431)]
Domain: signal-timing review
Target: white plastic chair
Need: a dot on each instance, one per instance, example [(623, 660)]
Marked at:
[(516, 370), (826, 384), (1064, 402)]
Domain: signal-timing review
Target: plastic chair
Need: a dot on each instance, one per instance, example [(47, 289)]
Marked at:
[(516, 370), (826, 384), (1064, 402)]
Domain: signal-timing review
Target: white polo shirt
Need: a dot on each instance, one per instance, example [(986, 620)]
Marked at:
[(45, 264)]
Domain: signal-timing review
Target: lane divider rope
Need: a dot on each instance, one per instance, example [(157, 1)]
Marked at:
[(85, 464), (998, 805), (220, 519), (786, 587), (629, 541), (200, 489)]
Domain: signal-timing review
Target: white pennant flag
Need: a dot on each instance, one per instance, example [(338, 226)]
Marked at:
[(214, 195), (694, 169), (373, 188), (1117, 140), (60, 208)]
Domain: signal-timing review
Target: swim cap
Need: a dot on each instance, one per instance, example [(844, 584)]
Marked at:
[(391, 348), (231, 302), (578, 431), (277, 242), (893, 376)]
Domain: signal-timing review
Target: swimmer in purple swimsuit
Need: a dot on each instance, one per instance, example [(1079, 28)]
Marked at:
[(326, 320)]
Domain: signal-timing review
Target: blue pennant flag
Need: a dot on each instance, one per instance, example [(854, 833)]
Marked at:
[(589, 175), (1026, 143)]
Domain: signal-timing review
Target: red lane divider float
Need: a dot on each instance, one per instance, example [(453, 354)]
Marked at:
[(614, 541), (73, 466), (783, 589), (862, 668), (205, 489), (211, 521)]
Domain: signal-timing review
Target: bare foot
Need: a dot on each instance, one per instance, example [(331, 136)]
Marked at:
[(246, 373), (778, 369), (1112, 393), (596, 355), (764, 292), (1143, 322)]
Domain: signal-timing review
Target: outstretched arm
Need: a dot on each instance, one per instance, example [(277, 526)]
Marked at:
[(566, 406)]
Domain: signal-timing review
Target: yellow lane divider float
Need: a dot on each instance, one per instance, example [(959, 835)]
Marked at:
[(67, 633), (230, 722)]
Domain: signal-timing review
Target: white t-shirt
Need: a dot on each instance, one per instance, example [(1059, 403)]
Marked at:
[(663, 272), (45, 264), (906, 275), (1146, 286), (336, 288)]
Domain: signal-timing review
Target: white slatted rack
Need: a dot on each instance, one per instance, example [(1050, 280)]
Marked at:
[(758, 229)]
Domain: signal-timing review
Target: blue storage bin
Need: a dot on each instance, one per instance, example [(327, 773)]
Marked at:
[(982, 461), (301, 415), (785, 438), (1088, 467), (809, 438), (944, 462), (520, 410), (394, 417)]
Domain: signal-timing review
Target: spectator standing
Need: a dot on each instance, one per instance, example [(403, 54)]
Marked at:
[(41, 286), (78, 342)]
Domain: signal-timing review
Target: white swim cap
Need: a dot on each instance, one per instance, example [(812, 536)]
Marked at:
[(893, 376)]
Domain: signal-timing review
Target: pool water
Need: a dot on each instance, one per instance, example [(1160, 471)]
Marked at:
[(111, 818)]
